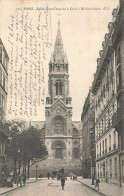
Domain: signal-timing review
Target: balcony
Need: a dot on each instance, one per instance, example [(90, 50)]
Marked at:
[(117, 118)]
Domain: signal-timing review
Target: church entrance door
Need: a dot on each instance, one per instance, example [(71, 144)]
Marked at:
[(58, 152)]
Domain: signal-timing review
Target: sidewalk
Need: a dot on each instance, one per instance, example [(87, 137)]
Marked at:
[(105, 188), (8, 189)]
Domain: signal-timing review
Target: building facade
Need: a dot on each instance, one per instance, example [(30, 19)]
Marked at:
[(118, 116), (61, 135), (106, 102), (88, 137), (4, 59)]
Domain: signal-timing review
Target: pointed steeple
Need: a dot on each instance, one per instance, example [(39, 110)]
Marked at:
[(58, 48)]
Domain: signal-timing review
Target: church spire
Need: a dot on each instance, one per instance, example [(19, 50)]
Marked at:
[(58, 48)]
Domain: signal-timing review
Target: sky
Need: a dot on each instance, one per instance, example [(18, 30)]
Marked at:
[(83, 24)]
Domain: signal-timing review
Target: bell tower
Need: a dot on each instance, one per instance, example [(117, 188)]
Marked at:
[(58, 84)]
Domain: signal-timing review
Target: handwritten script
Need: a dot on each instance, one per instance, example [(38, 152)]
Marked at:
[(29, 39)]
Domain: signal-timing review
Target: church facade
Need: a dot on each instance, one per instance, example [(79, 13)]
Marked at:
[(61, 135)]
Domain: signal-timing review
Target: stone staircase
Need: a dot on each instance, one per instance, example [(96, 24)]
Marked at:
[(43, 166)]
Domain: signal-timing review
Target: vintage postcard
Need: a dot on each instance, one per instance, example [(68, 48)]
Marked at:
[(60, 70)]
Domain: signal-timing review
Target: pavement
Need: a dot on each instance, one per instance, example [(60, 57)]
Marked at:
[(105, 188), (4, 190)]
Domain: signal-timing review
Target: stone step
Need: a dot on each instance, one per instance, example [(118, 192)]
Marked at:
[(51, 165)]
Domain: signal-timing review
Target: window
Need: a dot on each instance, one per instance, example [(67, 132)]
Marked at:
[(100, 169), (108, 118), (4, 82), (97, 150), (113, 108), (118, 55), (105, 145), (109, 142), (100, 149), (110, 168), (115, 166), (1, 49), (58, 88), (103, 169), (76, 153), (58, 67), (114, 145)]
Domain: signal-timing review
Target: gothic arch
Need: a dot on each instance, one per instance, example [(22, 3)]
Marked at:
[(58, 144)]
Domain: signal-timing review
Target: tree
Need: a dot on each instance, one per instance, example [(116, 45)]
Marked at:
[(15, 127), (24, 145), (32, 146)]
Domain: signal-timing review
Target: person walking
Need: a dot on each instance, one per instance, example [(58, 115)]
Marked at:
[(63, 182), (24, 179), (19, 180), (97, 183), (48, 175)]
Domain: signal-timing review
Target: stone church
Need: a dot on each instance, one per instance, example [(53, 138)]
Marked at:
[(61, 135)]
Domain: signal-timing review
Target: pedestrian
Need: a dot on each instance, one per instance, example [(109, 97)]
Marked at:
[(19, 180), (24, 179), (48, 175), (71, 175), (9, 181), (62, 182), (97, 183)]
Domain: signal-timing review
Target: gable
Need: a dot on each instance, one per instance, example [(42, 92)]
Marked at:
[(58, 105)]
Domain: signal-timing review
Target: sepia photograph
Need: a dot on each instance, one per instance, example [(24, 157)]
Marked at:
[(62, 97)]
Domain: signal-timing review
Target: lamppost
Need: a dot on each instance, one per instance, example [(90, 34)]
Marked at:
[(92, 170), (19, 159), (36, 171)]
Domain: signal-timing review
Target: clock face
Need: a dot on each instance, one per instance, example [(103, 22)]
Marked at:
[(58, 111)]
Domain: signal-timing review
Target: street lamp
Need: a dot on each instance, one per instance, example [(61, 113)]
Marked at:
[(19, 159), (36, 171), (92, 169)]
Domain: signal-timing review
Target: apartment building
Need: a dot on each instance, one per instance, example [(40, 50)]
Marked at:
[(88, 137), (105, 89), (4, 59)]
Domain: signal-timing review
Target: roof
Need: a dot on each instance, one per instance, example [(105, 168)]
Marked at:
[(38, 124), (58, 56)]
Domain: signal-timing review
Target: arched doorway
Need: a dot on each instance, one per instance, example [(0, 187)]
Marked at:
[(58, 147), (58, 151)]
